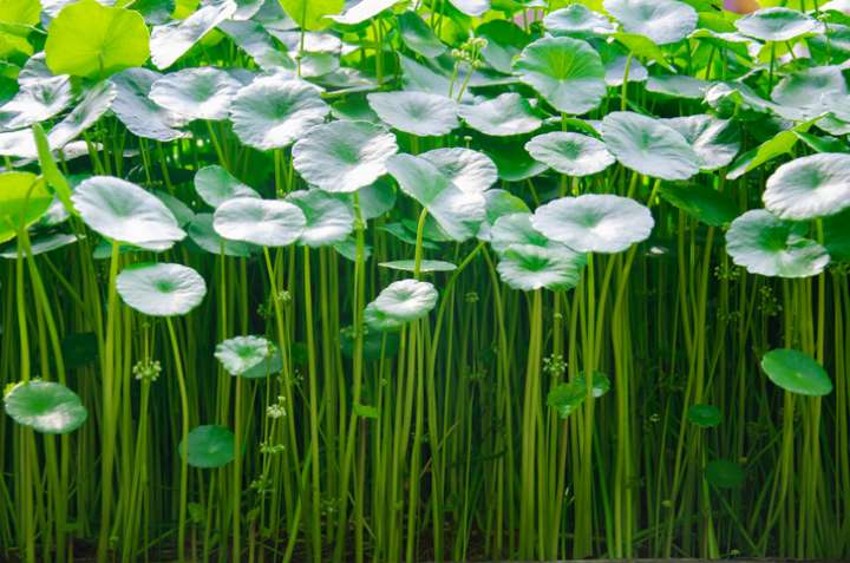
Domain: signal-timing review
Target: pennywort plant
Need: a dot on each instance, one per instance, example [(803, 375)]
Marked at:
[(435, 280)]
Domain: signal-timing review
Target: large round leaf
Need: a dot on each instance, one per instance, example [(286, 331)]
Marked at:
[(215, 185), (527, 267), (663, 21), (399, 303), (125, 212), (329, 219), (259, 221), (417, 113), (96, 101), (648, 146), (809, 187), (161, 290), (209, 447), (796, 372), (196, 93), (469, 170), (594, 223), (343, 156), (94, 41), (812, 91), (767, 245), (572, 154), (457, 212), (777, 24), (274, 112), (45, 406), (505, 115), (37, 100), (24, 198), (241, 353), (567, 72)]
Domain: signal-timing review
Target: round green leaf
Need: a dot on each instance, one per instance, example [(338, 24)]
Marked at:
[(567, 72), (399, 303), (648, 146), (679, 86), (267, 368), (516, 228), (567, 397), (172, 40), (37, 100), (329, 219), (796, 372), (514, 163), (572, 154), (96, 101), (196, 93), (809, 187), (45, 406), (701, 202), (161, 290), (215, 185), (594, 223), (39, 245), (777, 24), (274, 112), (94, 41), (615, 71), (311, 14), (262, 222), (663, 21), (469, 170), (124, 212), (343, 156), (812, 91), (528, 267), (769, 246), (417, 113), (209, 447), (505, 115), (724, 474), (24, 198), (418, 36), (705, 416), (242, 353), (577, 19)]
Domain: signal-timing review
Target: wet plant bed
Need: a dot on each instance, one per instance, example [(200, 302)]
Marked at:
[(424, 280)]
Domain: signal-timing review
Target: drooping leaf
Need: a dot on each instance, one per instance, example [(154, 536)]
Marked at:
[(138, 112), (170, 41), (796, 372), (343, 156), (702, 202), (715, 141), (567, 72), (95, 103), (425, 266), (458, 213), (363, 11), (418, 36), (572, 154), (274, 112), (162, 289), (45, 406), (271, 223), (809, 187), (769, 246), (202, 232), (648, 146), (329, 219), (209, 447), (505, 41), (122, 211), (594, 222), (91, 40)]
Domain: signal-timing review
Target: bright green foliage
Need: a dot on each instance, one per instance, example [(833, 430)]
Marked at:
[(45, 407), (95, 41)]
